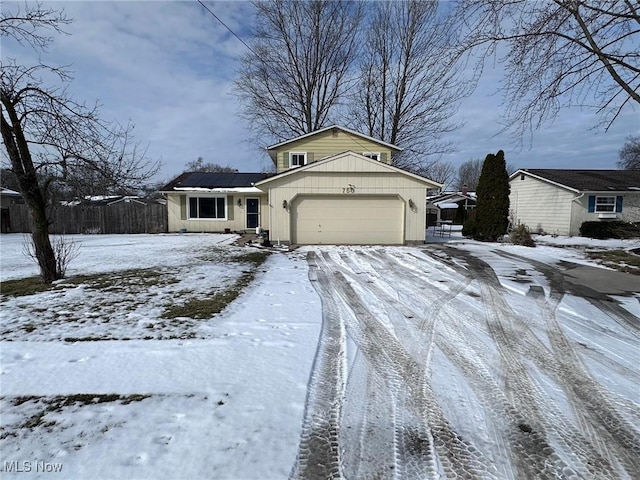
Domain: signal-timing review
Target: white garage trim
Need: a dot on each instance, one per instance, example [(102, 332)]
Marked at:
[(347, 219)]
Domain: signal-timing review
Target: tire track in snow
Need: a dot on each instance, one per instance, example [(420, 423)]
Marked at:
[(592, 404), (537, 454), (383, 300), (363, 410), (594, 408), (428, 430), (471, 361), (318, 453)]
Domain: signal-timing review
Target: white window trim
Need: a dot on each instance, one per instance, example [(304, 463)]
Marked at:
[(610, 207), (226, 206), (370, 154), (291, 154)]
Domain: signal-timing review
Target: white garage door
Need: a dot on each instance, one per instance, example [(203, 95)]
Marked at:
[(347, 219)]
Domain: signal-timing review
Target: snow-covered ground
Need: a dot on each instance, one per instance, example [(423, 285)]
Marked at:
[(231, 396), (226, 405)]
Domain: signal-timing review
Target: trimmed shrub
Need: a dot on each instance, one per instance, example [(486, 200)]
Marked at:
[(491, 217), (470, 228), (521, 235), (615, 229)]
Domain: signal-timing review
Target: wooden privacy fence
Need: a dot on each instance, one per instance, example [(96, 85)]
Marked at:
[(117, 218)]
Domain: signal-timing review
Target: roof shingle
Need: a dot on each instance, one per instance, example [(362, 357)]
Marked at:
[(591, 180)]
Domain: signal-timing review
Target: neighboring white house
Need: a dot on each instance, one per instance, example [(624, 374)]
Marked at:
[(332, 186), (558, 201)]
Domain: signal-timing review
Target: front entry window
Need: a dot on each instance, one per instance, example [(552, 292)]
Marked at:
[(253, 212)]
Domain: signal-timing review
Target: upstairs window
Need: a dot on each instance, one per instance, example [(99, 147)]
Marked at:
[(210, 208), (297, 159), (372, 155)]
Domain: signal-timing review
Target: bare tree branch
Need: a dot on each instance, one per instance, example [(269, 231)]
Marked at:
[(296, 74), (25, 27), (559, 53), (410, 87), (51, 140), (630, 153)]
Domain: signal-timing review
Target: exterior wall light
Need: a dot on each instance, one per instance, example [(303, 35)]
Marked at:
[(285, 204), (412, 205), (239, 202)]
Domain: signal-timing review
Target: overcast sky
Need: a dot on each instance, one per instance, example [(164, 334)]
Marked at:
[(169, 68)]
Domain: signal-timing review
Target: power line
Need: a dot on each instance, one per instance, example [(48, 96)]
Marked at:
[(227, 27)]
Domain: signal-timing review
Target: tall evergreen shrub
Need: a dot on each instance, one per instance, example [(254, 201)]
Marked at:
[(492, 211)]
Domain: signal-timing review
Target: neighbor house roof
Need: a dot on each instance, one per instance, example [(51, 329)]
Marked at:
[(214, 182), (587, 180), (346, 130)]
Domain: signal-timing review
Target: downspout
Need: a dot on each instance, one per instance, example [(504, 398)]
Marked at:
[(575, 199)]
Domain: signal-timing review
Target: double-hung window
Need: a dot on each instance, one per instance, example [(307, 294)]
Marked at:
[(297, 159), (209, 208), (372, 155), (605, 204)]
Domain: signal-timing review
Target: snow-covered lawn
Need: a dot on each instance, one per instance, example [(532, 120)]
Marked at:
[(227, 404), (230, 396)]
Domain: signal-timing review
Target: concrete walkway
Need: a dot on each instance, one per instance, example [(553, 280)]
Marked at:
[(600, 280)]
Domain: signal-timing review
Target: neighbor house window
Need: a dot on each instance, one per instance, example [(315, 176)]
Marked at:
[(297, 159), (605, 204), (208, 207), (372, 155)]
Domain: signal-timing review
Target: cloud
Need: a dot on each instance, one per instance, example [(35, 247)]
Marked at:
[(169, 68)]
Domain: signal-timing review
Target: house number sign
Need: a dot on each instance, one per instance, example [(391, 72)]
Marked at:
[(349, 189)]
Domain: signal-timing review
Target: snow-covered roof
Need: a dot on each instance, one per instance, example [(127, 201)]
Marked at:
[(10, 193), (445, 205)]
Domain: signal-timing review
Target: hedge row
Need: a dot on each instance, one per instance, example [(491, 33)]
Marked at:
[(615, 229)]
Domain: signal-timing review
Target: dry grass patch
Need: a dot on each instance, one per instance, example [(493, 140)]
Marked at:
[(24, 286), (202, 308), (621, 260)]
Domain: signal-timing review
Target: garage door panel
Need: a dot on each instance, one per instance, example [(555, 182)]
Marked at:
[(347, 220)]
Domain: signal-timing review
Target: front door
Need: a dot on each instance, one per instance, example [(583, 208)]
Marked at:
[(253, 212)]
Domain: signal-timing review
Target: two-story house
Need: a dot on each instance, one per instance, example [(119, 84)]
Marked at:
[(331, 186)]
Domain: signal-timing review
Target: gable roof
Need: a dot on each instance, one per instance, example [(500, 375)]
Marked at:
[(587, 180), (346, 130), (212, 181), (333, 158)]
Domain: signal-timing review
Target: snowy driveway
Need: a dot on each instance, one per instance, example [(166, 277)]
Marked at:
[(429, 362), (444, 362)]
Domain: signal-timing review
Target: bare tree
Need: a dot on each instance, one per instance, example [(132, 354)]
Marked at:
[(438, 171), (629, 154), (558, 53), (296, 72), (199, 165), (50, 138), (410, 84), (469, 174)]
